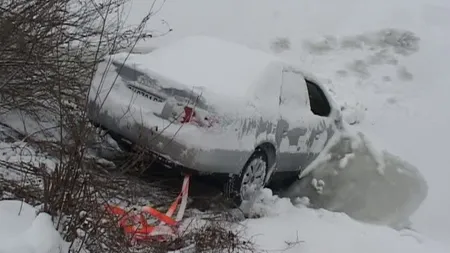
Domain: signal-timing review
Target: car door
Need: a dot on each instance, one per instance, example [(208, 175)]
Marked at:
[(292, 129), (302, 133), (322, 125)]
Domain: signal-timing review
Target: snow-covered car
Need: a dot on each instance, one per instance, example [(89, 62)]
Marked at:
[(216, 107)]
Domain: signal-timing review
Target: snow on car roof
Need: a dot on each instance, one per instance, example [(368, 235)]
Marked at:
[(223, 67)]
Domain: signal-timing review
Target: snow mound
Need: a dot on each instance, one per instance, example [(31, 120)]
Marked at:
[(22, 230), (297, 228)]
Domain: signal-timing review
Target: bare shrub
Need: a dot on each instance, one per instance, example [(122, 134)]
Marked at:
[(209, 236), (49, 51), (48, 55), (215, 237)]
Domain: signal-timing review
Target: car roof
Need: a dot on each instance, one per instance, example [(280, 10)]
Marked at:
[(220, 66)]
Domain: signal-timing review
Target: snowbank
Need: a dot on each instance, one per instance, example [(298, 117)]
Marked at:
[(23, 230), (292, 229)]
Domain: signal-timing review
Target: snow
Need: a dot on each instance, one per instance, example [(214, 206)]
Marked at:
[(223, 67), (288, 228), (344, 160), (24, 230), (21, 152)]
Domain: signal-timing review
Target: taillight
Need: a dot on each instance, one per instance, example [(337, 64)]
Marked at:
[(198, 117), (188, 115)]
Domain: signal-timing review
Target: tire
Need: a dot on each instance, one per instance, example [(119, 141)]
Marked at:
[(252, 175)]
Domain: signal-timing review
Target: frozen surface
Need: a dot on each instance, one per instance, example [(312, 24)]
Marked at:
[(353, 181), (23, 230)]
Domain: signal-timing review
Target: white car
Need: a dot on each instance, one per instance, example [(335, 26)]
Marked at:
[(216, 107)]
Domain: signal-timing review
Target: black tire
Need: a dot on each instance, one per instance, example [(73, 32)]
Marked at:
[(234, 184)]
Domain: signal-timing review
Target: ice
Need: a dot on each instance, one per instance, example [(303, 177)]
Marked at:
[(24, 230), (356, 186)]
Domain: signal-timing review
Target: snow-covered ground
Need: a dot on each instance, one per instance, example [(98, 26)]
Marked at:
[(290, 229), (24, 230), (384, 61)]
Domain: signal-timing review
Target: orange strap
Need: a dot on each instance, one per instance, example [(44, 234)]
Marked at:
[(136, 225)]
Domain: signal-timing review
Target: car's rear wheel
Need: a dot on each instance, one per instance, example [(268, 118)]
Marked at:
[(252, 178)]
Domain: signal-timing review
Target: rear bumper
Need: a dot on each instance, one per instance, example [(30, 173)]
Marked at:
[(192, 157), (198, 161), (172, 152)]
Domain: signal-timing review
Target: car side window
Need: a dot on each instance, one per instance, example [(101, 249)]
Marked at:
[(294, 93), (318, 101)]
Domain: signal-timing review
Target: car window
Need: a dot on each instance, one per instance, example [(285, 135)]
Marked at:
[(318, 101), (293, 90)]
